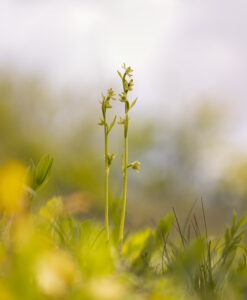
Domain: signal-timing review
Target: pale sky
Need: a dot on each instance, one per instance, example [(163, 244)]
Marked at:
[(181, 50)]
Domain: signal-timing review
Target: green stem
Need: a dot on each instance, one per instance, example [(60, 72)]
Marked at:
[(122, 221), (106, 186)]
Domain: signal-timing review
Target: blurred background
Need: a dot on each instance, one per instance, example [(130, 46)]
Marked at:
[(188, 128)]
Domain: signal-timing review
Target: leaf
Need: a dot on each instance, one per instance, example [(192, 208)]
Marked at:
[(120, 74), (233, 223), (43, 170), (227, 237), (53, 208), (165, 225), (112, 124), (241, 222), (133, 103), (135, 243), (31, 174)]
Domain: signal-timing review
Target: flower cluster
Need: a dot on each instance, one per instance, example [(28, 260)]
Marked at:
[(135, 165), (127, 84), (105, 104)]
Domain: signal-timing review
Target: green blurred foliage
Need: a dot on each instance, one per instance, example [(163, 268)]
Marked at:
[(49, 251), (35, 120)]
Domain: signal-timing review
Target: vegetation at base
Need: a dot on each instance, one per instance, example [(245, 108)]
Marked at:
[(47, 252)]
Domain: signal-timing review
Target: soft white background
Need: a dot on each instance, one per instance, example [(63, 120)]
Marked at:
[(181, 50)]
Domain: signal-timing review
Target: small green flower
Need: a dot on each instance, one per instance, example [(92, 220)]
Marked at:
[(107, 104), (130, 85), (123, 97), (110, 158), (111, 94), (101, 121), (128, 70), (135, 166), (121, 121)]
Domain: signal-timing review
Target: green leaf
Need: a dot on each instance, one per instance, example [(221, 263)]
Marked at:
[(53, 208), (31, 174), (233, 223), (43, 170), (133, 103), (227, 236), (135, 243), (120, 74), (241, 222), (112, 124), (165, 225)]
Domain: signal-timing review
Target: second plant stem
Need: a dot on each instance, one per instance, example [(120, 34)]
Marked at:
[(121, 232), (106, 185)]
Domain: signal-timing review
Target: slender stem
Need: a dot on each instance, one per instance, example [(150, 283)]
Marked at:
[(121, 232), (106, 185)]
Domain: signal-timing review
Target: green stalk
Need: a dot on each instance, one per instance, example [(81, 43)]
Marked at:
[(105, 104), (122, 221), (127, 86), (106, 185)]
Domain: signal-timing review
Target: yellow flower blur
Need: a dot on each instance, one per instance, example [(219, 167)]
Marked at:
[(12, 193), (55, 272)]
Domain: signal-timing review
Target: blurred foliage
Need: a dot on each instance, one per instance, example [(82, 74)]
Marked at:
[(233, 186), (49, 254), (177, 155), (51, 249)]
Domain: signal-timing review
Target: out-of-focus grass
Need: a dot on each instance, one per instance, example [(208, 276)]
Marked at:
[(177, 156), (51, 249), (50, 254)]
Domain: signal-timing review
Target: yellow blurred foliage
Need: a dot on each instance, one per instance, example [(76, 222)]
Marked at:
[(106, 288), (55, 272), (238, 177), (77, 203), (6, 294), (12, 193)]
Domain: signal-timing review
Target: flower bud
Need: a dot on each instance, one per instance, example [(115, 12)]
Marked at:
[(135, 166)]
